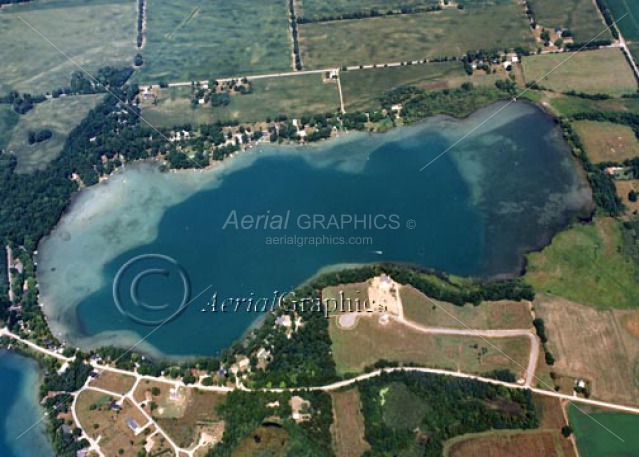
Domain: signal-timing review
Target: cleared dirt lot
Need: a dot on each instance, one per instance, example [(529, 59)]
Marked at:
[(348, 424), (509, 444), (595, 345)]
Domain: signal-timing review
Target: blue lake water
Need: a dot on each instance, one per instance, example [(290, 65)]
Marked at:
[(19, 409), (505, 189)]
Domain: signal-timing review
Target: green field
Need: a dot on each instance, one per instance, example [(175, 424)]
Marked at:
[(293, 96), (579, 16), (94, 33), (379, 40), (188, 41), (629, 25), (584, 264), (60, 116), (314, 9), (569, 106), (368, 342), (595, 431), (362, 88), (603, 71)]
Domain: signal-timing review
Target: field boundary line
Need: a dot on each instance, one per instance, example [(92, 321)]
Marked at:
[(95, 81), (514, 99)]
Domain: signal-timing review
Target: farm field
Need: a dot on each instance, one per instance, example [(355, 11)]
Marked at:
[(583, 264), (579, 16), (510, 443), (591, 428), (606, 141), (567, 106), (317, 9), (60, 115), (599, 346), (366, 343), (348, 424), (362, 88), (93, 33), (634, 50), (488, 315), (292, 96), (450, 32), (629, 25), (188, 41), (602, 71)]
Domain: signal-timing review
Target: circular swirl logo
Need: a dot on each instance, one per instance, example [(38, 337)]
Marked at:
[(151, 289)]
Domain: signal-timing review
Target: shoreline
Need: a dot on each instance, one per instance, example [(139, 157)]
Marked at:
[(248, 157)]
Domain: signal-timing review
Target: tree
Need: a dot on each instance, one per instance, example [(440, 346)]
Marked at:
[(566, 430), (632, 196)]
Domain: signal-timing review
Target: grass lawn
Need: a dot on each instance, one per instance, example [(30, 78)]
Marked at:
[(293, 96), (59, 115), (368, 342), (489, 315), (607, 142), (379, 40), (94, 33), (188, 41), (362, 88), (579, 16), (602, 71), (592, 430), (584, 264)]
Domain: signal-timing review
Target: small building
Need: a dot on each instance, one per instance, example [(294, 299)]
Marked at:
[(283, 321), (133, 425)]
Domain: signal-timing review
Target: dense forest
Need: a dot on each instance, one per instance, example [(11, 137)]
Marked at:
[(417, 413), (245, 412)]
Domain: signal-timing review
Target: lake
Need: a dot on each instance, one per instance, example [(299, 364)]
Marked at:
[(271, 218), (19, 408)]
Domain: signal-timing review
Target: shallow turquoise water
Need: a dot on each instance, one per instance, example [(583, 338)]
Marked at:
[(503, 190), (19, 409)]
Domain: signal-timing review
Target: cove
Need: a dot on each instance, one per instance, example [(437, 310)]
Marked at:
[(506, 188), (20, 409)]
